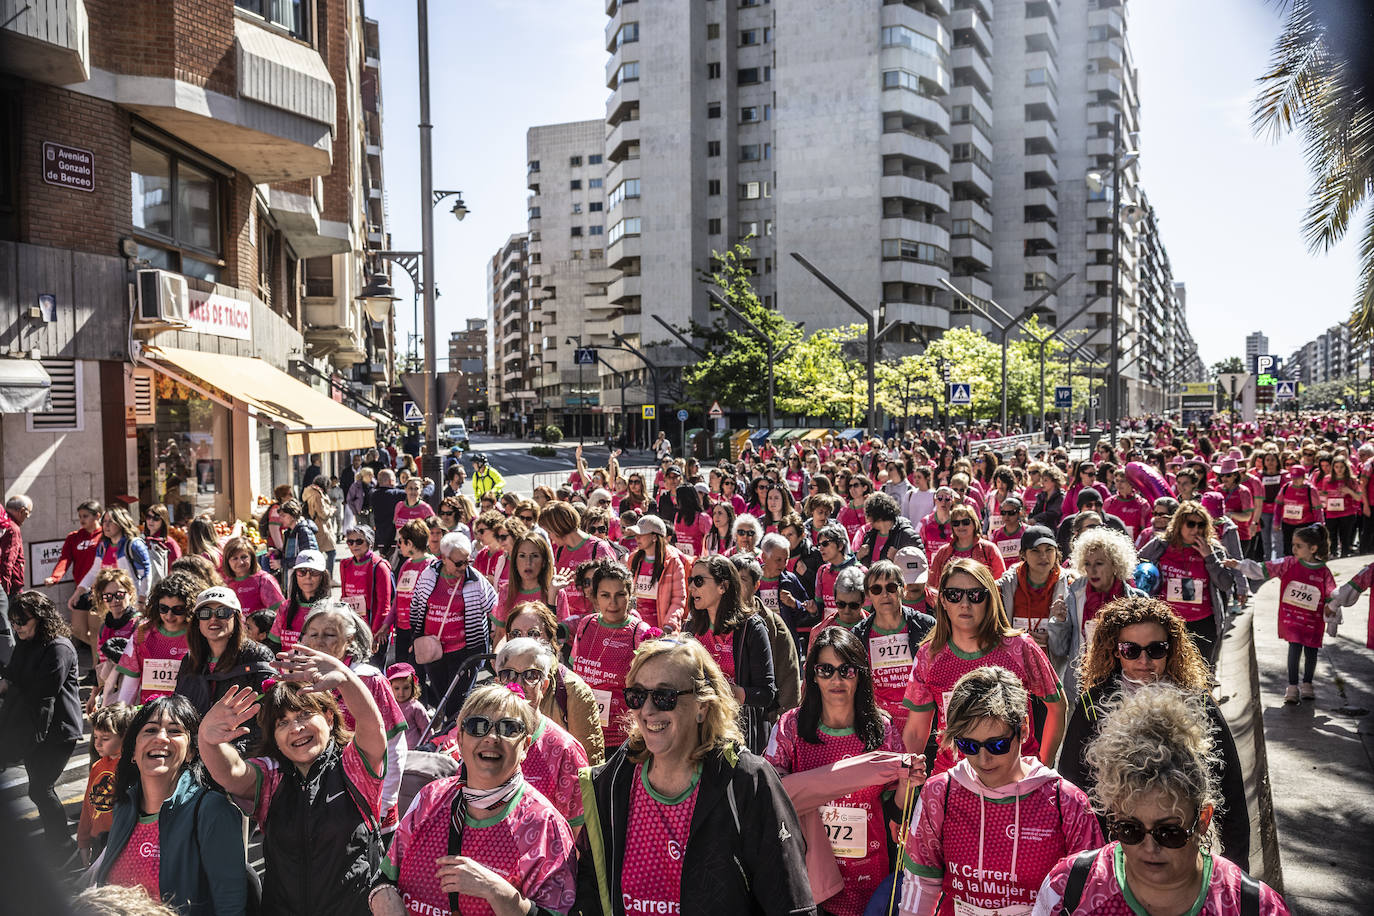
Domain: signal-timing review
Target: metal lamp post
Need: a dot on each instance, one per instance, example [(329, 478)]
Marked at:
[(653, 375), (1042, 342), (769, 349), (581, 395)]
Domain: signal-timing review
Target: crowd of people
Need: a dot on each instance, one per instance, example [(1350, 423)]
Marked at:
[(922, 675)]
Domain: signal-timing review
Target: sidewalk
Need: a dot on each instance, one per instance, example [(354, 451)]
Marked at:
[(1318, 846)]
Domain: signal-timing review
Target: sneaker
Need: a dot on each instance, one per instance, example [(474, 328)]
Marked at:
[(1309, 693), (1290, 696)]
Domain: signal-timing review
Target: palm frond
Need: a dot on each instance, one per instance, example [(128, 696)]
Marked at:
[(1362, 320), (1295, 75)]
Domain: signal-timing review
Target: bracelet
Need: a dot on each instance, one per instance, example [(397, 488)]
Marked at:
[(378, 889)]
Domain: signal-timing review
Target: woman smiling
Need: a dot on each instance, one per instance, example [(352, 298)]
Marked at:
[(220, 656)]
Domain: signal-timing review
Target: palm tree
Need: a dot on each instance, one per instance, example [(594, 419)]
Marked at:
[(1319, 85)]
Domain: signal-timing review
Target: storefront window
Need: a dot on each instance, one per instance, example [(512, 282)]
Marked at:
[(183, 459)]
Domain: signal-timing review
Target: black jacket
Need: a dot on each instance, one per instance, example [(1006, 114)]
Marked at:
[(745, 853), (917, 626), (1048, 510), (383, 501), (901, 535), (43, 704), (1233, 821), (754, 674), (204, 688)]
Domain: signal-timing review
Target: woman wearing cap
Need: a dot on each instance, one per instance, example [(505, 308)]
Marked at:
[(256, 589), (1155, 785), (1103, 563), (316, 790), (486, 840), (1238, 502), (366, 587), (220, 657), (453, 604), (310, 584), (839, 722), (1193, 578), (660, 575), (568, 700), (1141, 641), (972, 631), (153, 655), (963, 523), (1028, 817), (685, 819), (892, 634), (1031, 588)]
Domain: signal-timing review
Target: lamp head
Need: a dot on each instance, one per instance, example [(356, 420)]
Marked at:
[(377, 297), (1094, 182), (460, 209)]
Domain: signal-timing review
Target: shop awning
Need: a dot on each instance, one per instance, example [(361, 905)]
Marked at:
[(313, 421), (24, 386)]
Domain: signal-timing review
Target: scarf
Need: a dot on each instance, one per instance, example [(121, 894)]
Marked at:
[(1033, 603), (1094, 600), (492, 798)]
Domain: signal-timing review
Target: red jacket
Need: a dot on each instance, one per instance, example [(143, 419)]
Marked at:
[(11, 555)]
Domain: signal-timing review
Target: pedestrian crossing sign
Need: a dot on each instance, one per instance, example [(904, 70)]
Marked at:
[(647, 411), (1285, 390), (960, 393), (412, 413)]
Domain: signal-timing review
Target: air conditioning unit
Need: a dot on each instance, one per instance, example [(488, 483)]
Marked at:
[(163, 297)]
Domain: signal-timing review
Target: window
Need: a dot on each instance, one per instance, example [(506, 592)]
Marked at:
[(749, 152), (176, 211), (628, 72), (749, 229), (768, 112), (713, 187), (577, 208), (907, 250), (629, 188), (534, 213), (712, 147), (1037, 77), (713, 110), (712, 31), (749, 114), (748, 37), (713, 227), (900, 36), (289, 14), (596, 230), (594, 183), (594, 207), (753, 190), (628, 226), (1038, 280), (534, 165), (628, 32), (575, 184), (594, 159), (596, 253), (576, 232), (574, 161), (768, 151), (747, 76), (713, 70)]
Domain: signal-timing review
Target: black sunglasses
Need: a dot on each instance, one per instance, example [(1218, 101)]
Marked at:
[(961, 523), (481, 726), (358, 542), (699, 581), (1170, 836), (530, 676), (1132, 650), (848, 605), (172, 610), (877, 588), (825, 671), (219, 611), (975, 595), (665, 698), (599, 529), (994, 746)]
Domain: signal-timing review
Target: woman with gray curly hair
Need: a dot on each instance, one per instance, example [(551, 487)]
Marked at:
[(1103, 562), (1154, 768), (849, 600)]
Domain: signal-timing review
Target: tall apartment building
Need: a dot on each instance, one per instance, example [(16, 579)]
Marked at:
[(467, 356), (1331, 356), (191, 191), (896, 145), (510, 386), (1256, 344)]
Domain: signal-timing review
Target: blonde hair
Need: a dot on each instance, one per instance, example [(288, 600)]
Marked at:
[(497, 699), (995, 626), (1112, 544), (1186, 509), (719, 728), (121, 578), (1157, 738)]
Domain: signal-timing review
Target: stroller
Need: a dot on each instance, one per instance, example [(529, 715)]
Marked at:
[(424, 766)]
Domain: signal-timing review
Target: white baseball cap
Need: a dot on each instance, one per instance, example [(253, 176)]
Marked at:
[(912, 562), (310, 559)]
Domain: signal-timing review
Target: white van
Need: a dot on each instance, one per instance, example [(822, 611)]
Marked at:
[(452, 431)]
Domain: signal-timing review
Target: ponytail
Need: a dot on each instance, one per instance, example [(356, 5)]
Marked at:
[(1317, 536)]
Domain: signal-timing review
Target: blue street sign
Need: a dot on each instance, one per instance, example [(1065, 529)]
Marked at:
[(412, 413), (960, 393), (584, 356), (1063, 397), (1285, 389), (682, 416)]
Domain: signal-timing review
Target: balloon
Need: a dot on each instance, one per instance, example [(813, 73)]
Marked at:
[(1147, 480), (1146, 577)]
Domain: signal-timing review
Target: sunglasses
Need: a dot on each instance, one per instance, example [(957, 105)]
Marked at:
[(219, 612), (1011, 510), (114, 596), (975, 595), (457, 564), (848, 605), (944, 499), (527, 519), (599, 529), (532, 633), (504, 536), (825, 671), (172, 610), (358, 542), (1170, 836), (961, 523), (699, 581), (448, 513), (994, 746), (1132, 650), (827, 542), (665, 698), (1193, 523), (747, 534), (877, 588), (530, 676), (481, 726)]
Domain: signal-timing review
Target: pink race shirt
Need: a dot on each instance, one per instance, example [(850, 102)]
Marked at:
[(566, 559), (139, 860), (1303, 591), (722, 649), (933, 679), (889, 656), (1134, 511), (445, 613), (551, 766), (1183, 583), (154, 661), (601, 655), (403, 513), (288, 632), (1241, 499), (406, 577), (1337, 501), (656, 844), (1008, 543), (257, 592), (691, 535), (366, 583)]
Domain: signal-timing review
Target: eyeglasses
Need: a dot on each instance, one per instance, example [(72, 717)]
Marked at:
[(1011, 510), (848, 605), (944, 499), (746, 534), (827, 542), (114, 596), (172, 610), (699, 581), (1132, 650), (447, 513), (1193, 523), (1159, 514), (355, 542), (481, 726), (17, 623), (218, 611), (599, 529), (961, 523), (529, 676), (825, 671), (856, 486), (665, 698), (975, 595), (994, 746), (1170, 836), (504, 536), (877, 588), (527, 519)]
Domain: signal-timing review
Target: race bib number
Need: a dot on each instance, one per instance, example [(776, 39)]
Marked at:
[(1183, 590), (1009, 549), (1271, 481), (770, 599), (1028, 624), (1302, 595), (644, 588), (890, 651), (964, 908), (357, 604), (994, 522), (1335, 504), (160, 674), (407, 581), (1292, 512), (847, 829), (603, 706), (1089, 628)]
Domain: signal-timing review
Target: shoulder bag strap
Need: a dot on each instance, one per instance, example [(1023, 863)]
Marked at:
[(1078, 877), (1249, 896)]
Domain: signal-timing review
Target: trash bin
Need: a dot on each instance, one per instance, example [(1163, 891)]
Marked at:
[(720, 446), (698, 444)]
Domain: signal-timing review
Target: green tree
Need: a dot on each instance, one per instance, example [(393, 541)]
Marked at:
[(1317, 85), (1326, 395), (817, 379), (1229, 364)]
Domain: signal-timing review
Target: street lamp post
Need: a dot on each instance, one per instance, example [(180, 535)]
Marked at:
[(1042, 342), (620, 376), (702, 354), (581, 395), (653, 375), (768, 346)]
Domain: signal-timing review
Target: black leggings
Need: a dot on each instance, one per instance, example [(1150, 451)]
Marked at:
[(1204, 633), (1309, 666), (44, 765), (1342, 534)]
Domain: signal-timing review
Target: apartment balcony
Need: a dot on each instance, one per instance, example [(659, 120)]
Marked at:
[(623, 290), (915, 272), (1042, 60), (917, 21), (1099, 146), (625, 249), (1041, 34), (1041, 168), (1042, 232), (298, 218), (967, 26), (970, 286), (914, 189), (971, 174), (1109, 17), (932, 111), (1102, 115), (968, 95), (968, 248), (932, 154), (48, 41), (1108, 55), (1043, 134), (918, 314), (968, 58), (971, 209), (619, 139), (1041, 103), (1105, 83), (914, 231), (623, 95)]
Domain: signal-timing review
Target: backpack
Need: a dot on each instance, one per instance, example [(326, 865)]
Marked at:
[(1083, 863), (157, 561)]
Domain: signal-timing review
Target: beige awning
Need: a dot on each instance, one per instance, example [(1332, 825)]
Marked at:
[(313, 422)]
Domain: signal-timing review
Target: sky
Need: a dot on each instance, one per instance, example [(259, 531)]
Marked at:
[(1230, 203)]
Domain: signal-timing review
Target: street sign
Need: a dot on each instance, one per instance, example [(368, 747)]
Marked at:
[(1092, 401), (448, 383), (648, 412), (584, 356), (960, 393), (1063, 397), (715, 411), (1285, 389), (1266, 364), (682, 416), (413, 413), (1232, 383)]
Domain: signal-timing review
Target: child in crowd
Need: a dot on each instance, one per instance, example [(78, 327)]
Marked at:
[(405, 686), (259, 624), (108, 725)]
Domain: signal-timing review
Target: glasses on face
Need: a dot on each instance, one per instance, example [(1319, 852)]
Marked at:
[(599, 529), (114, 596), (877, 588), (355, 542), (172, 610), (457, 564), (856, 486), (218, 611), (944, 499), (527, 519), (529, 677), (532, 633), (1161, 514), (481, 726), (827, 542), (1132, 650), (699, 581), (1193, 523), (994, 746), (1011, 510), (825, 671), (446, 513), (848, 605), (1170, 836), (664, 698), (961, 523), (975, 595)]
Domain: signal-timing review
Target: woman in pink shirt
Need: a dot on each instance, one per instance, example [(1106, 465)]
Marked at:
[(692, 524), (412, 507)]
